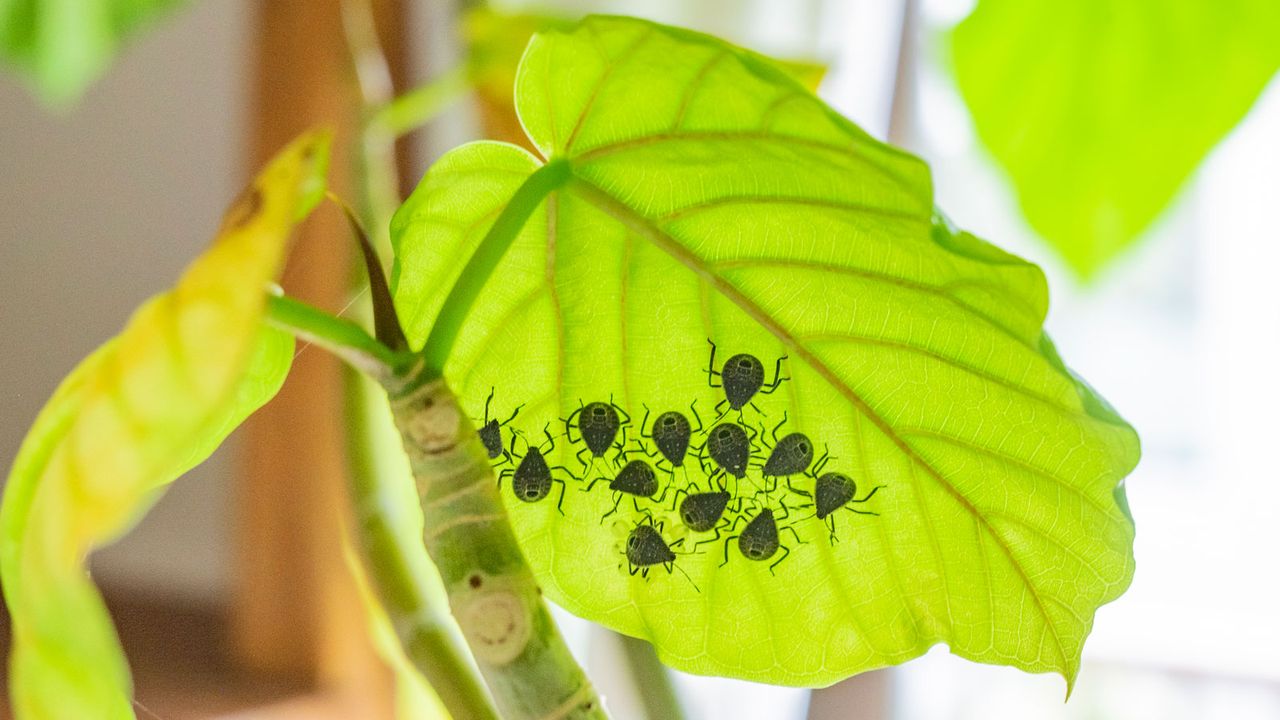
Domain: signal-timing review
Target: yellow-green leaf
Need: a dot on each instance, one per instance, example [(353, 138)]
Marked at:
[(709, 195), (144, 408), (1100, 110)]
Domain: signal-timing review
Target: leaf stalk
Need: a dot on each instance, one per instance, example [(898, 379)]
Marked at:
[(481, 266)]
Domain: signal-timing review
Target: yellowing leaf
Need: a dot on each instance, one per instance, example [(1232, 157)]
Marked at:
[(144, 408), (711, 196)]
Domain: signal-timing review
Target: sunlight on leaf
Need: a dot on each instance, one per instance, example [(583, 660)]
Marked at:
[(714, 197), (1099, 111), (64, 46), (495, 44), (144, 408)]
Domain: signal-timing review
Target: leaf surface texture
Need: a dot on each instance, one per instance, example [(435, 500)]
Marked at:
[(713, 197)]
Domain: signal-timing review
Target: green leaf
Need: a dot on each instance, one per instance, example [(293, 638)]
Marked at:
[(1099, 111), (141, 410), (414, 698), (712, 196), (64, 45)]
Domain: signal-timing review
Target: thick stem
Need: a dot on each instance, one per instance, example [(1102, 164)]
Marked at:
[(491, 590), (653, 680), (400, 573)]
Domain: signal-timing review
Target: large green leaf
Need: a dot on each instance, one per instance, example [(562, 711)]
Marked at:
[(63, 45), (711, 196), (143, 409), (1100, 110)]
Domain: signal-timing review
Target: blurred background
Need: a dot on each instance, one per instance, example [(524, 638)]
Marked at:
[(231, 596)]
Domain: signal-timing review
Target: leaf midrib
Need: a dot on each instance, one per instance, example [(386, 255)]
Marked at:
[(619, 211)]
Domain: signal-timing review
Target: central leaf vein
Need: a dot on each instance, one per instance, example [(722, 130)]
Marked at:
[(648, 230)]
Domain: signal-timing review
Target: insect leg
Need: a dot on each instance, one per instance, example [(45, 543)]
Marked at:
[(560, 502), (617, 501), (785, 552), (726, 549), (711, 366), (797, 490), (626, 417), (693, 408), (568, 424), (721, 413), (868, 497), (777, 378), (514, 413), (794, 534), (777, 427), (709, 541)]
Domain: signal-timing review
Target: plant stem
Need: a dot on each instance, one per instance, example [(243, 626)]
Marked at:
[(653, 680), (491, 590), (343, 338), (415, 108), (457, 305), (379, 179), (388, 529)]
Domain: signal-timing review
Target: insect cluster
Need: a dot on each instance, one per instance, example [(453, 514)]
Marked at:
[(725, 480)]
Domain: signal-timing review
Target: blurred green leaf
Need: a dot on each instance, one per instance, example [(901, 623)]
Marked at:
[(712, 196), (144, 408), (64, 45), (1100, 110), (414, 698)]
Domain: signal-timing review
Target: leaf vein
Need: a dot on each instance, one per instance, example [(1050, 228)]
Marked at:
[(646, 228)]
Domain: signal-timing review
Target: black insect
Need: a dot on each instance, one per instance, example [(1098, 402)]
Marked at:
[(531, 479), (833, 491), (637, 479), (671, 433), (646, 548), (598, 426), (742, 377), (760, 539), (729, 446), (791, 455), (704, 512), (490, 431)]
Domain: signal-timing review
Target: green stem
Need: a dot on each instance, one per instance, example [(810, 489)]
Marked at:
[(653, 680), (375, 151), (343, 338), (491, 589), (389, 533), (415, 108), (457, 305)]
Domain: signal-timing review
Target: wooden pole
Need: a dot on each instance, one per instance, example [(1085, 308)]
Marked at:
[(296, 611)]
